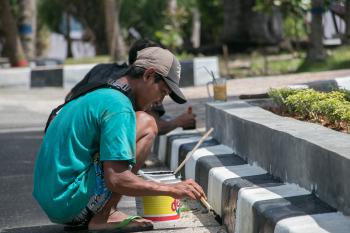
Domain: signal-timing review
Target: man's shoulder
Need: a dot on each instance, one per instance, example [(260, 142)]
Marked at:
[(108, 92), (109, 97)]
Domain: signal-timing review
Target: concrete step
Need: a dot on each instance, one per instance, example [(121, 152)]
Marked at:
[(246, 197)]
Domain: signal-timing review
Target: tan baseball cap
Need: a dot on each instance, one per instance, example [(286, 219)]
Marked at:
[(166, 65)]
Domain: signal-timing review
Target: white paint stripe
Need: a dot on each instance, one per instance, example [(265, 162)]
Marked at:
[(218, 175), (163, 141), (162, 148), (317, 223), (248, 196), (175, 131), (180, 131), (190, 166), (19, 130), (174, 154), (343, 83)]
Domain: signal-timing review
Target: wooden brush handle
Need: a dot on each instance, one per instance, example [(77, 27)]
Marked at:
[(189, 155), (206, 204)]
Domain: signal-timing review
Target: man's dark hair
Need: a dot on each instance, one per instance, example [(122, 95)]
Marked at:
[(137, 72), (139, 45)]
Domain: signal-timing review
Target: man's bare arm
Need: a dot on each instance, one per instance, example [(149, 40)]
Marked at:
[(121, 180), (185, 120)]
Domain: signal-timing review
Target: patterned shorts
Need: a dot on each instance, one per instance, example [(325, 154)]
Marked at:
[(98, 199)]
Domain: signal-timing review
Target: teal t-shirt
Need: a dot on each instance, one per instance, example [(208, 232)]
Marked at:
[(64, 176)]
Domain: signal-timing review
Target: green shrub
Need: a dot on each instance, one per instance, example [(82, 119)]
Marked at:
[(280, 95), (346, 93), (327, 108), (302, 102)]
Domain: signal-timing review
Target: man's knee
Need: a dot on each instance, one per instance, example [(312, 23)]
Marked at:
[(145, 126)]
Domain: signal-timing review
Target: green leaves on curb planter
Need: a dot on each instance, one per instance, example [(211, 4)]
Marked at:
[(330, 109)]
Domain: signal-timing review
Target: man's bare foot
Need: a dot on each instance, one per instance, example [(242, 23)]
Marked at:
[(115, 218)]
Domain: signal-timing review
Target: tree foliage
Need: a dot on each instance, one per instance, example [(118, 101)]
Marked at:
[(294, 12), (294, 7), (143, 15), (148, 17)]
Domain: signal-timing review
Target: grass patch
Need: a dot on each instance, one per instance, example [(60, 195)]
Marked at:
[(255, 64), (338, 58), (243, 65), (276, 66)]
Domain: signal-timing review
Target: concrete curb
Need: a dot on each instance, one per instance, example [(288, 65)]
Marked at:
[(57, 76), (310, 155), (15, 78), (246, 197)]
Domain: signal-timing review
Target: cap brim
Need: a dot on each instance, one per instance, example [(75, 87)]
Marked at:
[(176, 93)]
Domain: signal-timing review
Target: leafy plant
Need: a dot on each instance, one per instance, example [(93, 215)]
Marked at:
[(329, 109), (280, 95)]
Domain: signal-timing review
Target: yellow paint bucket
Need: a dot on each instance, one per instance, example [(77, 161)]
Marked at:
[(159, 208)]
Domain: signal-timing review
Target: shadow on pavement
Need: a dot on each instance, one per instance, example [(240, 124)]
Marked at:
[(38, 229)]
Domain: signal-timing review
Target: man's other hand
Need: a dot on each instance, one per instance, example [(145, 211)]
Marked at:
[(187, 188), (186, 120)]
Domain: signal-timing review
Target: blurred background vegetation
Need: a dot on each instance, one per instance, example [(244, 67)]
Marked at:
[(251, 37)]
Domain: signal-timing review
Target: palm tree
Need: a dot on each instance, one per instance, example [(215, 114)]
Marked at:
[(27, 26), (242, 24), (12, 44), (196, 28), (116, 45), (316, 50), (347, 21)]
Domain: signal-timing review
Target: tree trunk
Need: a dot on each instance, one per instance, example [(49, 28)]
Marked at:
[(316, 50), (120, 49), (115, 41), (233, 31), (110, 19), (196, 28), (12, 44), (244, 25), (172, 8), (347, 21), (68, 37), (27, 26)]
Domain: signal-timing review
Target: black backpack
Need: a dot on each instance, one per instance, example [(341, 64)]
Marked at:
[(102, 75)]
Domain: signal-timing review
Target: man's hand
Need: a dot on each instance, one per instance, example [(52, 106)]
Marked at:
[(188, 188), (186, 120)]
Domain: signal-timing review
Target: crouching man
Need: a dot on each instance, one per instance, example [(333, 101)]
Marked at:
[(98, 141)]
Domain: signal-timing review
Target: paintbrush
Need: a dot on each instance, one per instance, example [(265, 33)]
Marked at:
[(206, 204), (189, 155)]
